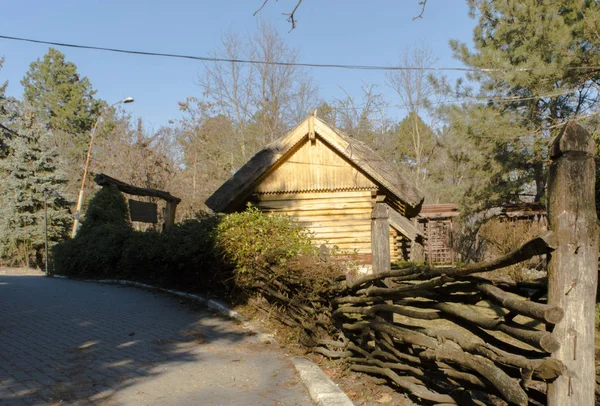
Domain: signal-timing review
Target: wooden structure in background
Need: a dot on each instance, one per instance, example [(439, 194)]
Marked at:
[(330, 183), (172, 201), (436, 222), (532, 212)]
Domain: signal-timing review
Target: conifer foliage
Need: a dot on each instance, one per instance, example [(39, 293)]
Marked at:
[(31, 167)]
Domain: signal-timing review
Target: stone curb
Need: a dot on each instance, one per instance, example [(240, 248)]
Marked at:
[(321, 389)]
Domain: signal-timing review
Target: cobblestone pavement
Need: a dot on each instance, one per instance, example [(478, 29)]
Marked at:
[(68, 342)]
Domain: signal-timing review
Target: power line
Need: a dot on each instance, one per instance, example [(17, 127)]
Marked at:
[(300, 64), (470, 99)]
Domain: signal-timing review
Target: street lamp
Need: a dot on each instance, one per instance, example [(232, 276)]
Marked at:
[(46, 194), (87, 162)]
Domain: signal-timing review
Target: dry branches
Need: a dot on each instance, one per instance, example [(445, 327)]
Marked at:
[(291, 17), (439, 334)]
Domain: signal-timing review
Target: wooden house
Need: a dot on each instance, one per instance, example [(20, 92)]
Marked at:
[(331, 183)]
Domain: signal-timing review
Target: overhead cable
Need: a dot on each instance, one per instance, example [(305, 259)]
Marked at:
[(301, 64)]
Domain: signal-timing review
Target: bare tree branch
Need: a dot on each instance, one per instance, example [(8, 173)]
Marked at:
[(261, 7), (290, 16), (422, 3), (292, 19)]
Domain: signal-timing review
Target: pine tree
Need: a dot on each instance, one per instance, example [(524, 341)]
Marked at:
[(65, 102), (31, 168), (6, 115), (540, 51)]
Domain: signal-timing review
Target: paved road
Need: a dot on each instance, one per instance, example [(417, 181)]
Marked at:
[(68, 342)]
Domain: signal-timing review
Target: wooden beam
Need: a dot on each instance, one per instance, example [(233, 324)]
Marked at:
[(380, 238), (573, 266), (103, 180)]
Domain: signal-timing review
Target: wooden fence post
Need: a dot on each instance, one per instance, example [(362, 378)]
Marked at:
[(170, 213), (380, 238), (573, 266)]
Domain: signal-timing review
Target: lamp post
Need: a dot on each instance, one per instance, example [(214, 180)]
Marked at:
[(87, 162), (46, 194)]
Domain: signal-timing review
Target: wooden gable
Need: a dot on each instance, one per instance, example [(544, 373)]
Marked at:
[(313, 166), (315, 157)]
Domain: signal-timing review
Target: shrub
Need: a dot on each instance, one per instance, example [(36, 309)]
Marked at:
[(142, 257), (499, 238), (184, 256), (254, 240), (191, 256), (108, 206), (95, 254), (275, 262), (96, 249)]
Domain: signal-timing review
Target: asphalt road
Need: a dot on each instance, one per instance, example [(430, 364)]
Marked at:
[(68, 342)]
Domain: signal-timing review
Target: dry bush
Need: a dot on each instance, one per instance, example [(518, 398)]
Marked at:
[(498, 238)]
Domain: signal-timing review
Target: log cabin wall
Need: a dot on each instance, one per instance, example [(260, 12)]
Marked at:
[(401, 246), (341, 218), (323, 192)]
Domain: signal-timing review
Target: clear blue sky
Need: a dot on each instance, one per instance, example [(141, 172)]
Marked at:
[(334, 31)]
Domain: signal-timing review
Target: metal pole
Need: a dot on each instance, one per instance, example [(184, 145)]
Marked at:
[(46, 229)]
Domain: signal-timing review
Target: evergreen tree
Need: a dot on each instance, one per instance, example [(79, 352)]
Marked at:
[(31, 168), (545, 47), (65, 102), (6, 115)]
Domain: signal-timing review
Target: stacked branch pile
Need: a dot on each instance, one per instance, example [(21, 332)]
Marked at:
[(429, 330), (444, 335)]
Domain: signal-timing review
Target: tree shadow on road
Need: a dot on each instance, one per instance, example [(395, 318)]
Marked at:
[(83, 343)]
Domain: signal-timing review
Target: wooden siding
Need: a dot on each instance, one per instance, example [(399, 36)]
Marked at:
[(400, 246), (314, 166), (342, 218)]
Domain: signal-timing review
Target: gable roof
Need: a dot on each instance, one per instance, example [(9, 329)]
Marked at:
[(242, 183)]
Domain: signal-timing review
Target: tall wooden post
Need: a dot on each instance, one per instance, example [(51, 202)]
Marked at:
[(573, 267), (380, 237), (170, 209)]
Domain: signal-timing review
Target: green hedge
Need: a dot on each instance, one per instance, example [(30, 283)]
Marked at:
[(204, 254)]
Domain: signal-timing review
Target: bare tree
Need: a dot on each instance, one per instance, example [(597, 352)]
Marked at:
[(241, 108), (415, 89), (364, 117), (135, 155), (261, 100)]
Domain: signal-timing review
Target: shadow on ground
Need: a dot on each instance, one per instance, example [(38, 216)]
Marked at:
[(73, 342)]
